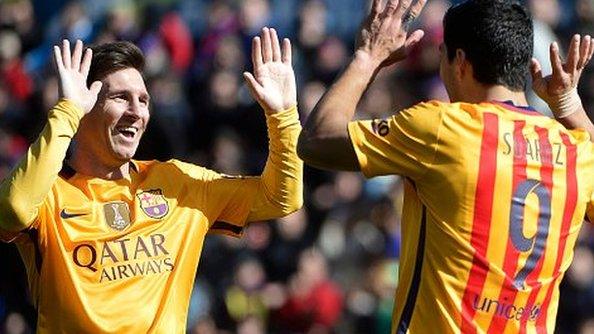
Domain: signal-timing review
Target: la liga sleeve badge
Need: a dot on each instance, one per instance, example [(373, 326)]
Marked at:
[(153, 203)]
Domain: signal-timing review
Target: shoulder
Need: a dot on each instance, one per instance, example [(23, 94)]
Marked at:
[(175, 168)]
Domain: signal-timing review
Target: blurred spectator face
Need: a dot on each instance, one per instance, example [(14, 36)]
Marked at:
[(253, 15), (229, 54), (250, 325), (312, 267), (10, 46), (332, 55), (250, 275), (291, 227), (50, 93), (585, 10), (258, 236), (122, 21), (75, 21), (228, 153), (311, 94), (17, 14), (546, 11), (312, 31), (224, 88), (112, 130)]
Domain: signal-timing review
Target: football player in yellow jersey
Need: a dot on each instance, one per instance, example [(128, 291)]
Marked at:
[(495, 192), (111, 244)]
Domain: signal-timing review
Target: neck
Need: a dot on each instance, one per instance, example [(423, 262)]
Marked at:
[(84, 162), (495, 93)]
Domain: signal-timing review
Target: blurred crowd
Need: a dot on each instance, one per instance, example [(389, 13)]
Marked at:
[(332, 267)]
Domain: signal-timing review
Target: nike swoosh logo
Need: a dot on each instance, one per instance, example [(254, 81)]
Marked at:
[(65, 215)]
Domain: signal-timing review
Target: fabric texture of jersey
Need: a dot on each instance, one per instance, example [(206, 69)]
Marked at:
[(495, 196), (120, 256)]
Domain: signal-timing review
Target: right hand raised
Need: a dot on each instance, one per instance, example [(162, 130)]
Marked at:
[(559, 89), (384, 37), (73, 71)]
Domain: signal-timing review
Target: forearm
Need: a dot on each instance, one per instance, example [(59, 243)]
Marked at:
[(325, 133), (23, 191), (281, 188)]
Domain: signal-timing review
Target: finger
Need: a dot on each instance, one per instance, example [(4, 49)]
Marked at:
[(555, 59), (77, 55), (256, 52), (417, 8), (85, 65), (413, 39), (591, 51), (402, 7), (376, 7), (584, 52), (535, 70), (266, 45), (58, 58), (276, 50), (96, 87), (253, 85), (66, 58), (287, 52), (391, 7), (573, 54)]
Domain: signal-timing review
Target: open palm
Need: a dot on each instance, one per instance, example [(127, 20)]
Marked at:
[(273, 82), (73, 71)]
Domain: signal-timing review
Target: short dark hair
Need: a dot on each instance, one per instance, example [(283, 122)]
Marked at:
[(112, 57), (497, 38)]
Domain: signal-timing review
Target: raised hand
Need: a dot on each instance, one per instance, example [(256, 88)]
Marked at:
[(73, 71), (559, 89), (273, 82), (384, 33)]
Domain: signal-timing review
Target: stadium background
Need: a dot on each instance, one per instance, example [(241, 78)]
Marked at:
[(331, 267)]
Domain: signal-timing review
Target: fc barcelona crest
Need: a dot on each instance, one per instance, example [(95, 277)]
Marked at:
[(153, 203)]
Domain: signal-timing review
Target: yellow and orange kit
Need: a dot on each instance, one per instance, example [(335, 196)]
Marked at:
[(120, 256), (494, 199)]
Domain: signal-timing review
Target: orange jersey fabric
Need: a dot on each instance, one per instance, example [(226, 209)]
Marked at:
[(494, 198), (120, 256)]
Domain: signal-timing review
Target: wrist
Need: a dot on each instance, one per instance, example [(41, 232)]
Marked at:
[(565, 104), (365, 61)]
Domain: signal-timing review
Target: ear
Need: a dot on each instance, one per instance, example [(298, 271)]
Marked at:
[(461, 64)]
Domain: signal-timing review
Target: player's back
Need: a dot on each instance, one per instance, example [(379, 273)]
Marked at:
[(489, 228)]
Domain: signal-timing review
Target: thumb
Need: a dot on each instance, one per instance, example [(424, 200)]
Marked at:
[(253, 85), (96, 87), (413, 39)]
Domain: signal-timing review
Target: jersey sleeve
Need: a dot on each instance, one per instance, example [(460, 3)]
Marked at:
[(404, 144), (229, 202), (24, 190)]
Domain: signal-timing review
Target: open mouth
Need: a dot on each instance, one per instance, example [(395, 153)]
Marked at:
[(127, 131)]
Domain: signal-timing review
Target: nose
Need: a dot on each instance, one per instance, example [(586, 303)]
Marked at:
[(136, 107)]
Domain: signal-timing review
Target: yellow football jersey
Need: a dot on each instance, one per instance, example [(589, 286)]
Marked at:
[(494, 198), (120, 256)]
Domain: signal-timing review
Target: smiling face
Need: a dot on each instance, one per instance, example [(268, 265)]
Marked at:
[(112, 131)]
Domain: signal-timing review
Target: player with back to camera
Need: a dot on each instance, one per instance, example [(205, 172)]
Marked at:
[(495, 193), (112, 244)]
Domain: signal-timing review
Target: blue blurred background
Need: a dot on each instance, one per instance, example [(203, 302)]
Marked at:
[(332, 267)]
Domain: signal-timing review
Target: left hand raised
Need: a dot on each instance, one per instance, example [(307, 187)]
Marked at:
[(273, 82)]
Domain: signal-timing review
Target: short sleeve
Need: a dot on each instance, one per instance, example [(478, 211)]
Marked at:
[(405, 144)]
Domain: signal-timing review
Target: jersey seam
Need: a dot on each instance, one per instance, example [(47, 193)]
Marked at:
[(431, 163)]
